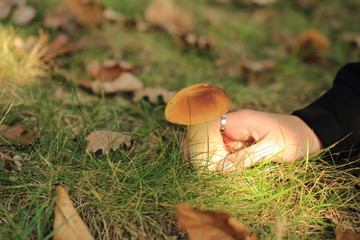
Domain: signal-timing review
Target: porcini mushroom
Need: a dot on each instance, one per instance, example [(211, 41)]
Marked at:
[(198, 106)]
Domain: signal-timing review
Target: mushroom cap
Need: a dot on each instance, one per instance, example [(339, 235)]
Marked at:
[(197, 104)]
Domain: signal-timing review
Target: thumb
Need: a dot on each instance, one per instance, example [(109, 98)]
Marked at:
[(246, 157)]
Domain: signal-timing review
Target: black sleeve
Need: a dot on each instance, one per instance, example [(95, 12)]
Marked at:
[(335, 116)]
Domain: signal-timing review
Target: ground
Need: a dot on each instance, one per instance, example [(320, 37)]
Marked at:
[(274, 57)]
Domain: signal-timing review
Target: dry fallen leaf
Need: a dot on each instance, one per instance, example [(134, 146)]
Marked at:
[(59, 18), (109, 70), (23, 14), (342, 234), (126, 82), (312, 45), (201, 42), (60, 46), (16, 135), (345, 228), (113, 16), (87, 13), (352, 38), (153, 94), (106, 140), (208, 225), (257, 72), (5, 8), (164, 14), (67, 223)]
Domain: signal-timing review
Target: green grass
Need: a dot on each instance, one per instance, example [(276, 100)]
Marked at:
[(131, 192)]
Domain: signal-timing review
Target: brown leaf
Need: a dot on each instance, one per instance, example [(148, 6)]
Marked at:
[(126, 82), (164, 14), (113, 16), (61, 47), (87, 13), (312, 45), (17, 135), (23, 14), (256, 72), (58, 18), (201, 42), (352, 38), (207, 225), (5, 8), (68, 225), (153, 94), (345, 235), (109, 70), (106, 140)]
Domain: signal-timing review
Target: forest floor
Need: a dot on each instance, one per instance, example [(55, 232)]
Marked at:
[(61, 68)]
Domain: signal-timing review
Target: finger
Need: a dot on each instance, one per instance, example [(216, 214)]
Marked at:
[(249, 156), (238, 126)]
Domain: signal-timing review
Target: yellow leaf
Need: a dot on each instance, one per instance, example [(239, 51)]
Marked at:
[(67, 224)]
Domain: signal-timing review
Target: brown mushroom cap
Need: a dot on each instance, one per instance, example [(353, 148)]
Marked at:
[(197, 104)]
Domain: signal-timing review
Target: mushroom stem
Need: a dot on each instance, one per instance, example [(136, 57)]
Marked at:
[(206, 145)]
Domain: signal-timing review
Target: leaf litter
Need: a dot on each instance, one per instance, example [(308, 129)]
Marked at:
[(117, 77)]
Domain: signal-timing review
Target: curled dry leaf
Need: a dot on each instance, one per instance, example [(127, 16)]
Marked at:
[(207, 225), (164, 14), (16, 135), (112, 77), (153, 95), (109, 70), (68, 225), (60, 46), (106, 140), (312, 46), (126, 82), (23, 14), (87, 13)]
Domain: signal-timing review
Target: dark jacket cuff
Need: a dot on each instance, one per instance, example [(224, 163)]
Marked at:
[(335, 116)]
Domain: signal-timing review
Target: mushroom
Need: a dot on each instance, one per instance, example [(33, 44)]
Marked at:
[(198, 106)]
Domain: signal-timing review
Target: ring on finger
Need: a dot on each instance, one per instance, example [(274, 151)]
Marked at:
[(222, 123)]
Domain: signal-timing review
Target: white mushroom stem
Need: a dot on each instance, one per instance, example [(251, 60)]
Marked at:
[(206, 145)]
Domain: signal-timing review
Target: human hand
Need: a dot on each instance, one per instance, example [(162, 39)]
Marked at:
[(253, 136)]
